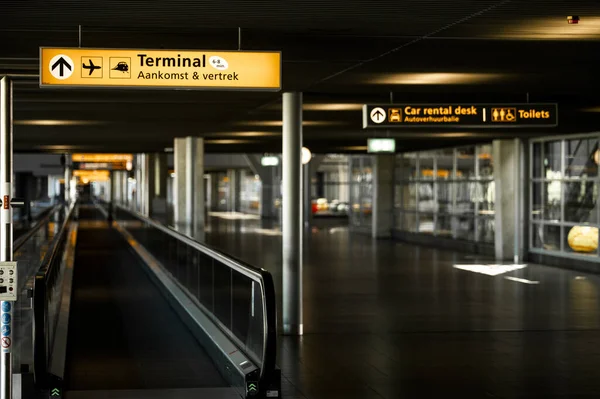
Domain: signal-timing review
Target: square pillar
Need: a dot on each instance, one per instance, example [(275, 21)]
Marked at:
[(383, 196), (188, 190), (508, 180)]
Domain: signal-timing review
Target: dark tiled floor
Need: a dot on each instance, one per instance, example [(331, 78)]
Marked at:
[(388, 320)]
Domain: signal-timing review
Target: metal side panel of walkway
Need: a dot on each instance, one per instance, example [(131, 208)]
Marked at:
[(123, 335)]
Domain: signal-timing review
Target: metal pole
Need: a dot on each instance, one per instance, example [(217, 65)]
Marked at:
[(6, 168), (292, 214), (67, 179)]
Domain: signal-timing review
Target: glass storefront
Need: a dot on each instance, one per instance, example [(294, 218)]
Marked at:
[(563, 195), (330, 191), (361, 191), (250, 194), (448, 192)]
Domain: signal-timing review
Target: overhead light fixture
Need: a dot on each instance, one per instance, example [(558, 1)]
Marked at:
[(353, 148), (227, 141), (169, 149), (280, 123), (55, 122), (245, 134), (306, 155), (550, 28), (332, 107), (433, 78)]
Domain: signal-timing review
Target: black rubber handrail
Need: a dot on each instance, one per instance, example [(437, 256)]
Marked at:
[(42, 285)]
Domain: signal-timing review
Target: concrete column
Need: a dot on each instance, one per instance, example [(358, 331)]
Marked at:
[(68, 175), (125, 183), (234, 190), (188, 190), (292, 214), (214, 192), (508, 180), (158, 185), (383, 196)]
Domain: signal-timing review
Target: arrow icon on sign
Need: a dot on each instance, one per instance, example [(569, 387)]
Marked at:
[(377, 115), (55, 392), (61, 63)]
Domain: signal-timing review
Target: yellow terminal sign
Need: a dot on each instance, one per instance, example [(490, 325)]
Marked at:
[(218, 70), (87, 176), (82, 157)]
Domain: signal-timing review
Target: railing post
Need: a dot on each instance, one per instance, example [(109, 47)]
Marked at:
[(6, 231)]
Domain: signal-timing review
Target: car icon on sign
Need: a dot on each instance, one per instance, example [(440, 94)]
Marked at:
[(121, 66)]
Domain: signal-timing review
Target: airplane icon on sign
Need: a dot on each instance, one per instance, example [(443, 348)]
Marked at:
[(91, 67)]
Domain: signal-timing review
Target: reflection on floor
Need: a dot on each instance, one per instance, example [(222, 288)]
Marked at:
[(389, 320)]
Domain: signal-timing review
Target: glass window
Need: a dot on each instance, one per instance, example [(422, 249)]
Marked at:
[(426, 223), (580, 201), (443, 225), (409, 221), (536, 161), (581, 158), (549, 237), (426, 165), (536, 201), (445, 164), (551, 207), (488, 197), (409, 195), (484, 157), (406, 166), (465, 163), (444, 196), (485, 227), (552, 160)]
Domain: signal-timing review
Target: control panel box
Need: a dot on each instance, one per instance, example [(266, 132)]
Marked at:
[(8, 281)]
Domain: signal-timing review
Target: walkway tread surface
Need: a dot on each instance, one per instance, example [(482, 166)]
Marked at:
[(123, 335)]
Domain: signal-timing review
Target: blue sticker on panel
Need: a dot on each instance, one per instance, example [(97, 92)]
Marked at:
[(6, 306), (5, 318), (5, 330)]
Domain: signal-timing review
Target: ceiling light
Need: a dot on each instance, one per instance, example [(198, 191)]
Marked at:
[(168, 149), (332, 107), (229, 141), (353, 148), (55, 122), (246, 134), (433, 78), (550, 29), (280, 123), (306, 155)]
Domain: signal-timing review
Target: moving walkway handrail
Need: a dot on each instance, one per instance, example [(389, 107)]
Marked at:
[(42, 285), (260, 275), (47, 215)]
